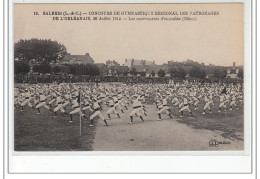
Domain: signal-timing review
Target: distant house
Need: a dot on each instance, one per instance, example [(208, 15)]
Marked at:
[(233, 71), (133, 62), (77, 59)]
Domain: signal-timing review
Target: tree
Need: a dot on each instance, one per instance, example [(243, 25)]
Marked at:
[(56, 69), (174, 72), (178, 72), (161, 73), (125, 73), (39, 50), (190, 62), (88, 69), (112, 63), (133, 72), (197, 72), (64, 68), (182, 73), (220, 73), (92, 69), (36, 68), (152, 73), (240, 73), (44, 67), (203, 74), (21, 67)]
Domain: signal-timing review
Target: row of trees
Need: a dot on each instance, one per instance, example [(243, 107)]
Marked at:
[(22, 67), (197, 72), (178, 72), (89, 69), (175, 72), (44, 52)]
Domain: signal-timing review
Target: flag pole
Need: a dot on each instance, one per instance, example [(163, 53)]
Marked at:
[(80, 113)]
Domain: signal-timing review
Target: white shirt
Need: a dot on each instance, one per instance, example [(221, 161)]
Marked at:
[(96, 106), (42, 97), (185, 101), (221, 98), (136, 103), (164, 102), (111, 103)]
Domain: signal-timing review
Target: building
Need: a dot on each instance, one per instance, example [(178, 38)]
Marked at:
[(233, 71), (133, 62), (77, 59)]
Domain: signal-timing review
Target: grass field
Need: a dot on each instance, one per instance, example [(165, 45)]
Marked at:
[(230, 123), (44, 132)]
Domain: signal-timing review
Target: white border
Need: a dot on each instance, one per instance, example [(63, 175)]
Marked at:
[(128, 162)]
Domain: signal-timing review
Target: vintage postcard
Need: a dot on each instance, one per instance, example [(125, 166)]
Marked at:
[(128, 77), (123, 77)]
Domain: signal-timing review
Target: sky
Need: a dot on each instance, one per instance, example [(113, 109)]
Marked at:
[(214, 40)]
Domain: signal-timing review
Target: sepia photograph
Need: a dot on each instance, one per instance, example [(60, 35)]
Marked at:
[(128, 77)]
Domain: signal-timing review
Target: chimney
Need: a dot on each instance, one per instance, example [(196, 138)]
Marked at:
[(234, 64), (132, 62), (87, 54), (125, 61), (153, 62)]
